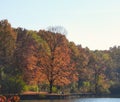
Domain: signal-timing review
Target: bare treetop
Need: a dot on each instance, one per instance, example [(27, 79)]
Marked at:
[(57, 29)]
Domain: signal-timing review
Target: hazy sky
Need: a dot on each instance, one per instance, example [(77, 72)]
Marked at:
[(91, 23)]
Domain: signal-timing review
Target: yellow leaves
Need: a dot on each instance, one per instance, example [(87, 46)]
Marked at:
[(103, 83)]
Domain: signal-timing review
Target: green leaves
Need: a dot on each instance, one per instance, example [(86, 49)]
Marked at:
[(12, 84), (42, 44)]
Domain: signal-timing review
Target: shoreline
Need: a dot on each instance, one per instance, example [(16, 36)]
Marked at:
[(52, 96), (64, 96)]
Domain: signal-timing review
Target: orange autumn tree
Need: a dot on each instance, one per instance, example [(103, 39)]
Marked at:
[(7, 44), (26, 56), (56, 64)]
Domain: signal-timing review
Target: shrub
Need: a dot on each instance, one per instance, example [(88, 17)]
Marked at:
[(30, 88)]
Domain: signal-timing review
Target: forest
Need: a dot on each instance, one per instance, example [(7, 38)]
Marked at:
[(47, 61)]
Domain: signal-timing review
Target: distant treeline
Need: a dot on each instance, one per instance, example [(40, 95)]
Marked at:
[(47, 61)]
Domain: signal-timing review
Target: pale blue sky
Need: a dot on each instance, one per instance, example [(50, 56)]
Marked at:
[(91, 23)]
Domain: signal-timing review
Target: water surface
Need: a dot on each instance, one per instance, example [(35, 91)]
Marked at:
[(78, 100)]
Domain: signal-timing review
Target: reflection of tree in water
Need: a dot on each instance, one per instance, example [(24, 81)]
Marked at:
[(56, 100), (60, 100)]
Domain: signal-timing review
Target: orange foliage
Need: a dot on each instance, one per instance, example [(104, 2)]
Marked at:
[(57, 66)]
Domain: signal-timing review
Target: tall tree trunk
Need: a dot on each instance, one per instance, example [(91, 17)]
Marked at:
[(96, 83), (51, 85), (79, 83)]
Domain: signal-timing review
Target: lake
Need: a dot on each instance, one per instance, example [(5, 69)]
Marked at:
[(78, 100)]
